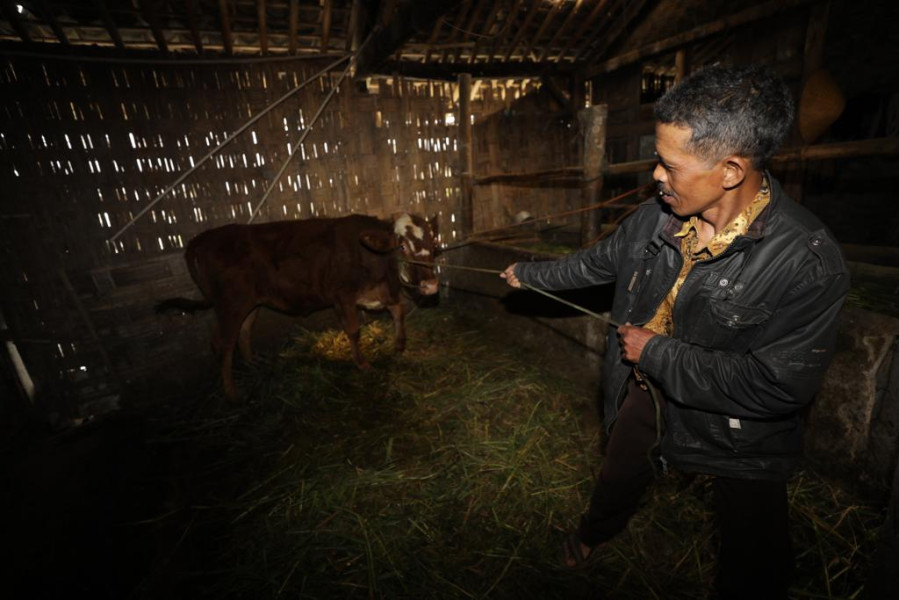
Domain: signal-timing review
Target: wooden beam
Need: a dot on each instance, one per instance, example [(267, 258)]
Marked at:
[(263, 32), (294, 19), (326, 25), (110, 24), (151, 14), (227, 38), (12, 15), (48, 15), (190, 7), (750, 15), (409, 18)]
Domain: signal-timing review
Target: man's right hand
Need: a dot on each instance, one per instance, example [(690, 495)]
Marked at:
[(509, 276)]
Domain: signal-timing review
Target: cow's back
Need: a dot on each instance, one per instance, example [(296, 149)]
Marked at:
[(294, 266)]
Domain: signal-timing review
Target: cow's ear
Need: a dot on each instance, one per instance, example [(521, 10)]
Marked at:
[(378, 241)]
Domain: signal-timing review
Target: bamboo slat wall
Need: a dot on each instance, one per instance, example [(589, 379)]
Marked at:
[(85, 146)]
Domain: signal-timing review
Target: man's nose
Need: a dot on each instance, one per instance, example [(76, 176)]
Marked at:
[(658, 173)]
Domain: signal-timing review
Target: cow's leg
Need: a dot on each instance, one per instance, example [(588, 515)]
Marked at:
[(398, 312), (230, 321), (349, 318), (244, 342)]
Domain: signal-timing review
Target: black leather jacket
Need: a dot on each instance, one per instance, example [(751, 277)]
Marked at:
[(754, 331)]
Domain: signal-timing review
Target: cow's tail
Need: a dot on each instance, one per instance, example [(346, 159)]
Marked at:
[(182, 304)]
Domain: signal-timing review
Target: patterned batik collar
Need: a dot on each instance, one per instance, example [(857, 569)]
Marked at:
[(739, 226)]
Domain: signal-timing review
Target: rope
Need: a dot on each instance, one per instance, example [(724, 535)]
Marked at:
[(223, 144), (653, 392), (587, 311)]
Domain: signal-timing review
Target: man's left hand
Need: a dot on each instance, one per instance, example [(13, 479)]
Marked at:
[(632, 340)]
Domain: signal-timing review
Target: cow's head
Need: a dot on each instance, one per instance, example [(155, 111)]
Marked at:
[(418, 245)]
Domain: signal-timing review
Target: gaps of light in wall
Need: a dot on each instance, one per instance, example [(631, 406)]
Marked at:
[(15, 171), (315, 150), (378, 119), (228, 188), (326, 148), (136, 245), (449, 119), (255, 141), (161, 243), (191, 159), (139, 166), (260, 160), (303, 151), (286, 128)]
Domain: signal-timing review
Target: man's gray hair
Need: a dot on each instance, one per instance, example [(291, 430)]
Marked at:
[(745, 111)]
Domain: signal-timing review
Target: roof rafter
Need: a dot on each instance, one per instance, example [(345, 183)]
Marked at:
[(227, 39), (326, 24), (110, 24), (585, 25), (549, 18), (521, 30), (263, 31), (485, 33), (294, 21), (629, 14), (48, 14), (190, 7), (149, 9), (409, 17), (571, 15)]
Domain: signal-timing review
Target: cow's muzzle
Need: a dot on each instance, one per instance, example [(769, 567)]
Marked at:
[(429, 287)]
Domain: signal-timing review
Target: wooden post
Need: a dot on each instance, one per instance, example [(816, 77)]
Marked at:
[(467, 155), (593, 125), (812, 60), (680, 65)]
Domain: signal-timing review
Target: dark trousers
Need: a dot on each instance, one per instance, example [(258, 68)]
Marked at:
[(755, 559)]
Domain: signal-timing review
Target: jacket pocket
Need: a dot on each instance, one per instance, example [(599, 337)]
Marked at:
[(732, 326)]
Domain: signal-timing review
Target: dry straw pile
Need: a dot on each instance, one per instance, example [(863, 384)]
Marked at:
[(449, 472)]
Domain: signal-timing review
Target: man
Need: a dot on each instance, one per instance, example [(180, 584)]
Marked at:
[(730, 293)]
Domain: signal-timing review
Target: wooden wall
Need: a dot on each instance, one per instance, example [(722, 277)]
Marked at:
[(85, 146)]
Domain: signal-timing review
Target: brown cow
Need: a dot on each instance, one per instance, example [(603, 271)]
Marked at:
[(298, 267)]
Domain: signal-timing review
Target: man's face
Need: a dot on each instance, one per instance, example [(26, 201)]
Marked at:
[(687, 183)]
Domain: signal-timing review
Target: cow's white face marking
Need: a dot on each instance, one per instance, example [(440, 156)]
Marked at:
[(403, 222)]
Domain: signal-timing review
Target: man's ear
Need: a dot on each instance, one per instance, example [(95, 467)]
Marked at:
[(735, 170), (378, 241)]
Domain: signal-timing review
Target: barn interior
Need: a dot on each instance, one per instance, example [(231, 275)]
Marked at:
[(526, 128)]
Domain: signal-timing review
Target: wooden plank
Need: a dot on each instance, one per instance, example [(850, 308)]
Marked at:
[(190, 7)]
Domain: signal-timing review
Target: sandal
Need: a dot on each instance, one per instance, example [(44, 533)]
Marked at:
[(572, 553)]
